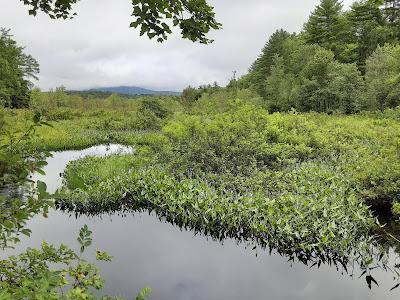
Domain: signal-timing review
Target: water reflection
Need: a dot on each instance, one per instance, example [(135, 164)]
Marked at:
[(59, 160), (179, 265)]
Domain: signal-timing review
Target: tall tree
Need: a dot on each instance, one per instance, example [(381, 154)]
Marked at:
[(261, 68), (368, 30), (155, 18), (391, 11), (327, 85), (279, 87), (326, 26), (383, 78), (16, 69)]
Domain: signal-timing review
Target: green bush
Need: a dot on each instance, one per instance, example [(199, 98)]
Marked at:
[(240, 141)]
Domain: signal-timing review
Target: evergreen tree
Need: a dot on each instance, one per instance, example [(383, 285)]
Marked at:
[(327, 27), (16, 68), (368, 30), (261, 68), (391, 12)]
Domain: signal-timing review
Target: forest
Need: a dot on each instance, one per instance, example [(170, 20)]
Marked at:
[(299, 158)]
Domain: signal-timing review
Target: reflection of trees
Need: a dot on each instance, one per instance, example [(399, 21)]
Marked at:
[(372, 254)]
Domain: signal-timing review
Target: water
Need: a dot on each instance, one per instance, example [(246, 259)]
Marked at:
[(178, 265)]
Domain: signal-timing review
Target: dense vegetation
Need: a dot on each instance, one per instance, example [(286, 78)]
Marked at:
[(16, 68), (222, 165), (301, 155), (204, 171), (229, 168), (342, 61)]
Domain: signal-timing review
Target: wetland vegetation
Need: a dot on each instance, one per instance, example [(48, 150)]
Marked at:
[(301, 156)]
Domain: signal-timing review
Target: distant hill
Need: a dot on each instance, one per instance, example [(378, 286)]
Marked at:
[(133, 90)]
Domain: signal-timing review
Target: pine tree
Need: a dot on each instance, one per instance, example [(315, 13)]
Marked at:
[(368, 30), (391, 12), (261, 68), (326, 26)]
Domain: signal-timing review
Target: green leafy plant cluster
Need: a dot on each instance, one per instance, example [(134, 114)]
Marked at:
[(241, 141), (30, 275), (327, 218), (154, 18)]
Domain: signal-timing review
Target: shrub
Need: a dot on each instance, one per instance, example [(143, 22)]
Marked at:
[(239, 142)]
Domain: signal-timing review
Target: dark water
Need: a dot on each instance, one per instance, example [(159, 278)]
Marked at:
[(178, 265)]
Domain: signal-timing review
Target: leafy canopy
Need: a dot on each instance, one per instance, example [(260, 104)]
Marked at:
[(195, 18), (16, 69)]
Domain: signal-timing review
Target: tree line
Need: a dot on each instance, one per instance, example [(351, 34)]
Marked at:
[(343, 61)]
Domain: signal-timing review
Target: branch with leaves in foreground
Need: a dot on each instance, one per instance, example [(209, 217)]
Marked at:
[(28, 275), (155, 18)]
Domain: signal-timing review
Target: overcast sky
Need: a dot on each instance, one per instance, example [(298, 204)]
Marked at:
[(97, 48)]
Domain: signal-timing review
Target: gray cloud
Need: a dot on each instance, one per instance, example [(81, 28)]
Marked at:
[(98, 48)]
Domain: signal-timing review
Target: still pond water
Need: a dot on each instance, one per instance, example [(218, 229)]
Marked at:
[(177, 264)]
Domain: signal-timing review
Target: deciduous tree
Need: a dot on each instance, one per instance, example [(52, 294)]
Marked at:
[(16, 69), (155, 18)]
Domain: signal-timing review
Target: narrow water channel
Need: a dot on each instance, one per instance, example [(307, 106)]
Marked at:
[(176, 264)]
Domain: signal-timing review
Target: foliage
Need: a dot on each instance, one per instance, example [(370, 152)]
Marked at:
[(195, 18), (308, 78), (392, 15), (238, 141), (225, 162), (368, 30), (327, 85), (59, 104), (279, 87), (16, 68), (261, 68), (382, 78), (194, 203), (298, 183), (17, 157), (30, 275), (326, 27), (17, 161), (322, 68), (190, 95)]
